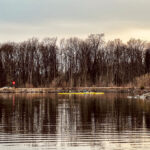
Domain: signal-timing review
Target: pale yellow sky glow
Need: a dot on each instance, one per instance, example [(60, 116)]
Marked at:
[(125, 35)]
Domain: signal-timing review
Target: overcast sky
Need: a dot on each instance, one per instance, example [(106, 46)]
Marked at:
[(23, 19)]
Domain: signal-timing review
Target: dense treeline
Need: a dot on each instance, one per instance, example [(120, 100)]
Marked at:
[(73, 62)]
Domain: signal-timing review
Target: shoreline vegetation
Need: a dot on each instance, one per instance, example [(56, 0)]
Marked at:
[(130, 90)]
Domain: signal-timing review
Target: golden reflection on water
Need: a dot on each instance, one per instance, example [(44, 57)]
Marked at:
[(51, 121)]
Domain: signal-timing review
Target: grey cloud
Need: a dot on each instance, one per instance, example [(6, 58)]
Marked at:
[(23, 18), (81, 10)]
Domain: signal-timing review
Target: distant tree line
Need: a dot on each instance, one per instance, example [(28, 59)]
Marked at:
[(73, 62)]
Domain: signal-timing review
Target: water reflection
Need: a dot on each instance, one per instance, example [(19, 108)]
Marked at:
[(71, 122)]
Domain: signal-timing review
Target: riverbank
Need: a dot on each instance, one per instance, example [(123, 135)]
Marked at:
[(75, 89)]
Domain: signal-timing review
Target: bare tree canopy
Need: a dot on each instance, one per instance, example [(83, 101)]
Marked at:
[(73, 62)]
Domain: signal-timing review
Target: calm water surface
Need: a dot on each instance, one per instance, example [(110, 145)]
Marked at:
[(108, 122)]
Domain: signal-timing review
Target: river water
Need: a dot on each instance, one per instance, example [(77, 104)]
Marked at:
[(86, 122)]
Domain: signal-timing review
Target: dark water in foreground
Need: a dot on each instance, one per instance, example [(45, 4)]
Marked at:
[(108, 122)]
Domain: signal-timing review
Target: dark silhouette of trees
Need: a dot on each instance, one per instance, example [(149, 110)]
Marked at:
[(2, 73), (73, 62), (147, 61)]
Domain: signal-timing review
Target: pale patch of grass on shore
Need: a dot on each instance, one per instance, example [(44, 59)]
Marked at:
[(143, 81)]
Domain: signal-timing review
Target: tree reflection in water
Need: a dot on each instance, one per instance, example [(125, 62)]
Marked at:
[(73, 118)]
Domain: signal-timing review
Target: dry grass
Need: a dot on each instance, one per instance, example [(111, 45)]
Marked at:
[(27, 85), (143, 81)]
